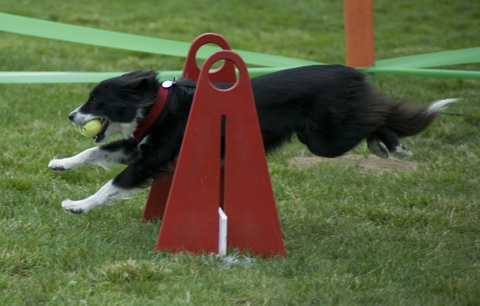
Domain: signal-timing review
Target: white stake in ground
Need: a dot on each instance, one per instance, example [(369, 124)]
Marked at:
[(222, 232)]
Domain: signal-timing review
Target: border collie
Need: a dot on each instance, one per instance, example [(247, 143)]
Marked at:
[(331, 108)]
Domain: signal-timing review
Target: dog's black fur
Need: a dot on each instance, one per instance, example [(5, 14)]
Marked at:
[(330, 108)]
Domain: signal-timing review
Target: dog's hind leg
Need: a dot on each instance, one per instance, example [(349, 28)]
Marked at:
[(303, 139), (389, 139), (376, 147), (328, 148)]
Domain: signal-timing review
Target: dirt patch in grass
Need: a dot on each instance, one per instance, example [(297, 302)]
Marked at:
[(372, 164)]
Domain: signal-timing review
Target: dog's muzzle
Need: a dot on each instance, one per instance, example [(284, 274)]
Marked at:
[(79, 118)]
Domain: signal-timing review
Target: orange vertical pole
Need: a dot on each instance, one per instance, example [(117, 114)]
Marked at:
[(359, 39)]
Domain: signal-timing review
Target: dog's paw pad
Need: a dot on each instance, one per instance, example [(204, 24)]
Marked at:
[(375, 147), (74, 211)]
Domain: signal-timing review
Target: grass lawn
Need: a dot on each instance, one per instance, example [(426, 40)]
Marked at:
[(407, 237)]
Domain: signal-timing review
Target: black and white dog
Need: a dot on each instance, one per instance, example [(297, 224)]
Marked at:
[(330, 108)]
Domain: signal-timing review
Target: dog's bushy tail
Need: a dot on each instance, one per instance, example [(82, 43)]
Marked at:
[(408, 121)]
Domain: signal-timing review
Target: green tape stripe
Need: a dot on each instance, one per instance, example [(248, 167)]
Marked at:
[(90, 36), (53, 30), (55, 77), (95, 77), (437, 73), (444, 58), (92, 77)]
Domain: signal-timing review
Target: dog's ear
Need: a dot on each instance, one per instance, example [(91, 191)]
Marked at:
[(140, 83)]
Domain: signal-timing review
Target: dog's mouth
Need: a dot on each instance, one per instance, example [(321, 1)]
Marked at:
[(101, 135)]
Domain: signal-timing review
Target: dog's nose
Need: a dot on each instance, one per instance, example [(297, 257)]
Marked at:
[(71, 116)]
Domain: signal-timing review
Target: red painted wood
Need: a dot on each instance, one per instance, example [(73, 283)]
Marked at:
[(158, 194), (191, 71), (191, 217), (157, 199)]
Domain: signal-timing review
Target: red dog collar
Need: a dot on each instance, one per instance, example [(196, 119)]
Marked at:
[(154, 111)]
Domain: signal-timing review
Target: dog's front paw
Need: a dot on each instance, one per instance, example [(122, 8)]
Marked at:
[(59, 164), (73, 207)]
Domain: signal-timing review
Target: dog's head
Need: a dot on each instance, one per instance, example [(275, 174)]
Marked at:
[(121, 103)]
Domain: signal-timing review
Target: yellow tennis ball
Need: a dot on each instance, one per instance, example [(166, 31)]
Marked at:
[(91, 128)]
